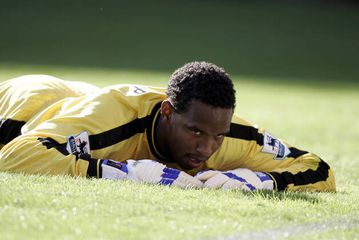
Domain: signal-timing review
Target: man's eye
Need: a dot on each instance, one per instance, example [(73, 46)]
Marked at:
[(196, 132)]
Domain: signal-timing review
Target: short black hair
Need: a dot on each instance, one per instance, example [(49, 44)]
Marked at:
[(202, 81)]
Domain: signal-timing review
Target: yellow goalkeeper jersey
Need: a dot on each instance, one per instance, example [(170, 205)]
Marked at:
[(52, 126)]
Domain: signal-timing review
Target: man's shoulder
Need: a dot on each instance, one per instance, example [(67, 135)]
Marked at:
[(135, 89), (139, 99)]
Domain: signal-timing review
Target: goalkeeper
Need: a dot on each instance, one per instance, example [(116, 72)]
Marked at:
[(185, 135)]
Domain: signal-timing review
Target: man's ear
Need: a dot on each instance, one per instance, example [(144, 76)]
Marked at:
[(166, 109)]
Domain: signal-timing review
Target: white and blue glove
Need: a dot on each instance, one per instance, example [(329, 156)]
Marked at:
[(240, 178), (148, 171), (113, 169)]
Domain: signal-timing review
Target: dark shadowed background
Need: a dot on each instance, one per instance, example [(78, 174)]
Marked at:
[(306, 40)]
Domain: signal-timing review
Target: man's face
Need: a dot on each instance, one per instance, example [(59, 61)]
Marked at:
[(194, 135)]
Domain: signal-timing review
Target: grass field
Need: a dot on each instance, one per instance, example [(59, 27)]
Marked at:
[(295, 66), (317, 118)]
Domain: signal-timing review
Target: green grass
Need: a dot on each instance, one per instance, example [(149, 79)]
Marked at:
[(62, 207), (321, 119)]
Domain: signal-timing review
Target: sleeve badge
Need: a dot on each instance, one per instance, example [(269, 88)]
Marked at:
[(274, 146), (78, 144)]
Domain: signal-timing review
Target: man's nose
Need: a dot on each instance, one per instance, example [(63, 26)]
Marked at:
[(206, 147)]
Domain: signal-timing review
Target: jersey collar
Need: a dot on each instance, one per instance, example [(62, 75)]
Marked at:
[(152, 134)]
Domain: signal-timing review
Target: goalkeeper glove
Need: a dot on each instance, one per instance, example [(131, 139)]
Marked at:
[(240, 178), (113, 170), (148, 171)]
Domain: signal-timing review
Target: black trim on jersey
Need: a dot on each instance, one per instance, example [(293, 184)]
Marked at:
[(251, 134), (301, 178), (118, 134), (93, 167), (51, 143), (245, 132), (10, 129), (93, 163), (295, 152), (154, 134)]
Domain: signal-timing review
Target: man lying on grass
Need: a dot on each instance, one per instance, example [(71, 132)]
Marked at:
[(186, 136)]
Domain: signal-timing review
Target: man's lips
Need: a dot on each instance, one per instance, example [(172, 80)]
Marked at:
[(195, 162)]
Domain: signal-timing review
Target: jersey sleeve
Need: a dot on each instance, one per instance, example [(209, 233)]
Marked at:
[(32, 154), (247, 146), (61, 145)]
